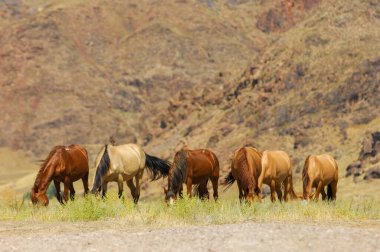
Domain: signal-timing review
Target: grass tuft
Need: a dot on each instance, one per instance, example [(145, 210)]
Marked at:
[(190, 211)]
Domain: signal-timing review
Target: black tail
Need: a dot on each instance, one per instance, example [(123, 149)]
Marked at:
[(228, 181), (101, 170), (329, 192), (158, 167)]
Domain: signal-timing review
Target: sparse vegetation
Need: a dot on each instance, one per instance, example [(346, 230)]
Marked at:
[(192, 211)]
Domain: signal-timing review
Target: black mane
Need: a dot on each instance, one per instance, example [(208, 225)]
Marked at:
[(101, 170), (180, 172)]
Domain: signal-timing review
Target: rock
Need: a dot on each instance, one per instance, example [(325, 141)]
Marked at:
[(373, 173), (354, 169)]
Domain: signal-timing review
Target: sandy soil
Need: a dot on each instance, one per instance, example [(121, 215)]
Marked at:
[(113, 236)]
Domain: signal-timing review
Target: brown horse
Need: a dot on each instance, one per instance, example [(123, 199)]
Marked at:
[(277, 173), (63, 164), (193, 167), (318, 172), (245, 169)]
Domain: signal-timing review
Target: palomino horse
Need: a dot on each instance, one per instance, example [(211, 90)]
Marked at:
[(277, 173), (63, 164), (123, 163), (193, 167), (318, 172), (245, 169)]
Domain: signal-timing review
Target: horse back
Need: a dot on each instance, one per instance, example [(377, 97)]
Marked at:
[(202, 163), (275, 164), (327, 166), (75, 160), (127, 158)]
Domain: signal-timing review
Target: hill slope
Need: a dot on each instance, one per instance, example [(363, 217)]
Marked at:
[(297, 75)]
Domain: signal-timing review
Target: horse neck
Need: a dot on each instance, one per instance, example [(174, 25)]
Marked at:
[(44, 178), (305, 171)]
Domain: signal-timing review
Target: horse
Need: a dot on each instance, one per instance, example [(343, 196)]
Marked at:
[(193, 167), (123, 163), (63, 164), (245, 169), (320, 171), (277, 173)]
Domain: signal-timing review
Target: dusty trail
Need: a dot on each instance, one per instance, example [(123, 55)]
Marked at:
[(113, 236)]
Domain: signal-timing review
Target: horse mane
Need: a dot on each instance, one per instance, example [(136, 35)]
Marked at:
[(102, 168), (246, 177), (44, 165), (305, 175), (180, 169)]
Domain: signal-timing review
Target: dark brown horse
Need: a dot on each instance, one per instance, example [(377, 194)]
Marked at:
[(245, 169), (63, 164), (193, 167)]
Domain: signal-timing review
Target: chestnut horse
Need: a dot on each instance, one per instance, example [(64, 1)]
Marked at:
[(277, 173), (245, 169), (318, 172), (123, 163), (63, 164), (193, 167)]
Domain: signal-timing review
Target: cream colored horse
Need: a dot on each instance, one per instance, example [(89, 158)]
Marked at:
[(320, 171), (123, 163), (276, 171)]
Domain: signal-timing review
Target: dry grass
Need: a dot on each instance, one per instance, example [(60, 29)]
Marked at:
[(191, 211)]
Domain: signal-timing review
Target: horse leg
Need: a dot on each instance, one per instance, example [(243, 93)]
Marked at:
[(202, 190), (272, 191), (138, 185), (214, 181), (241, 194), (318, 190), (72, 191), (66, 186), (104, 189), (57, 185), (120, 185), (323, 193), (180, 192), (278, 191), (286, 188), (334, 188), (132, 188), (189, 184), (85, 183)]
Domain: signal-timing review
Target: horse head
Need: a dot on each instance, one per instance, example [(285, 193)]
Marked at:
[(39, 198)]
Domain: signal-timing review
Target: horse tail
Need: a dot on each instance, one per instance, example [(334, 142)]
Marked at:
[(329, 192), (228, 181), (101, 170), (156, 166)]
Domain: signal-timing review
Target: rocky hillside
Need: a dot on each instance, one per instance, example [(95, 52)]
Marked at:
[(297, 75)]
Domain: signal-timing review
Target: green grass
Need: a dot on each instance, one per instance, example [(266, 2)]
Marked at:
[(190, 211)]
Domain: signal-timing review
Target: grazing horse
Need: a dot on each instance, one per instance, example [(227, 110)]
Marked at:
[(193, 167), (277, 173), (318, 172), (245, 169), (123, 163), (63, 164)]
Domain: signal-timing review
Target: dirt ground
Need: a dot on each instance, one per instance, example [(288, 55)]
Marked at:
[(250, 236)]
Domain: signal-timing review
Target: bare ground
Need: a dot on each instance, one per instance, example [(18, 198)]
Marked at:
[(250, 236)]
